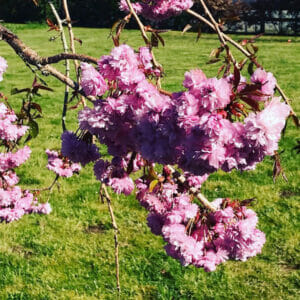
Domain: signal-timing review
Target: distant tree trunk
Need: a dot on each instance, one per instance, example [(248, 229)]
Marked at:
[(280, 22), (262, 23)]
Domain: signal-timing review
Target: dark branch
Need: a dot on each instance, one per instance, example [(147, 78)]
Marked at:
[(29, 56), (32, 57)]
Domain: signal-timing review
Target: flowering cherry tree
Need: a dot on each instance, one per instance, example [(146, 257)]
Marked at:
[(14, 202), (227, 123)]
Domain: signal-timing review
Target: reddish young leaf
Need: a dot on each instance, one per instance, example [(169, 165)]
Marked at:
[(52, 25), (78, 40), (36, 106), (237, 77), (213, 61), (252, 103)]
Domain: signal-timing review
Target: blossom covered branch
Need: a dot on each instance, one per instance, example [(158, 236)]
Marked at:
[(211, 124)]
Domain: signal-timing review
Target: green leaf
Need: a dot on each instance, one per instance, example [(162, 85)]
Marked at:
[(33, 128), (250, 68), (152, 185)]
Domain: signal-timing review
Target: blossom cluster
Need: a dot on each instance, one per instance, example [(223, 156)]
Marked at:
[(79, 149), (123, 67), (194, 129), (14, 202), (8, 130), (115, 173), (212, 124), (61, 165), (158, 9), (196, 236)]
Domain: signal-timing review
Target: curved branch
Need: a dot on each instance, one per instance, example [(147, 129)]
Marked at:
[(144, 35), (67, 64), (32, 57), (242, 50), (29, 56), (217, 29), (62, 56), (71, 35)]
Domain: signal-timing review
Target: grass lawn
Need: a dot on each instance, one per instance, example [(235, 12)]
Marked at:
[(69, 254)]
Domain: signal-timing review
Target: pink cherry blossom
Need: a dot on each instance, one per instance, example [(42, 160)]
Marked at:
[(93, 84), (267, 83)]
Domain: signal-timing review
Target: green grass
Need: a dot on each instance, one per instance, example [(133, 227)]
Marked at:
[(69, 254)]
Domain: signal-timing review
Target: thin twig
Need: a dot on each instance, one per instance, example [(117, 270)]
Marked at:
[(101, 197), (116, 231), (49, 188), (217, 29), (72, 43), (244, 51), (29, 56), (71, 36), (207, 204), (67, 64), (141, 25), (145, 37)]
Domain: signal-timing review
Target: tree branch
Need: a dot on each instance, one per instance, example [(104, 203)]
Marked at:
[(67, 62), (29, 56), (207, 204), (71, 36), (242, 50), (145, 37), (217, 29), (32, 57), (73, 56), (116, 231)]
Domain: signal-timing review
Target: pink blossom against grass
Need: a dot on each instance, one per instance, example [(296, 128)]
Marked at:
[(266, 82), (264, 128), (12, 160), (61, 165), (8, 178), (8, 130), (213, 238), (195, 236)]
